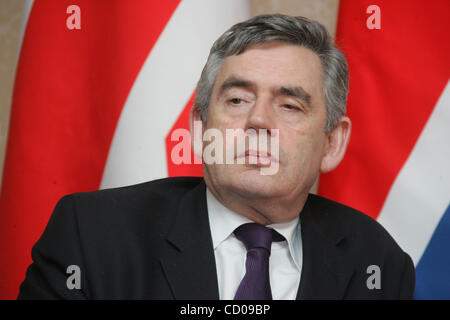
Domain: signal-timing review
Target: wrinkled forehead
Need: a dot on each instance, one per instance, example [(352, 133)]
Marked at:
[(274, 65)]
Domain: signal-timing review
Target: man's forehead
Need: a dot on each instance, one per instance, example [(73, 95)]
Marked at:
[(272, 67), (276, 49), (273, 61)]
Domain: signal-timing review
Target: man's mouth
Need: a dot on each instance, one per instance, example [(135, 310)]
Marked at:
[(257, 157)]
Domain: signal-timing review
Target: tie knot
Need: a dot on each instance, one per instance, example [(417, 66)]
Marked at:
[(255, 235)]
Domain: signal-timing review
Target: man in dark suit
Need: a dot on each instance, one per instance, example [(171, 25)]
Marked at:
[(237, 233)]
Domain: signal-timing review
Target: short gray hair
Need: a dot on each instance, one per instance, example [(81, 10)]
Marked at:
[(280, 28)]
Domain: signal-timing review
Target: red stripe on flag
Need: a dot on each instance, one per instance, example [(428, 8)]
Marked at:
[(397, 74), (70, 88), (184, 169)]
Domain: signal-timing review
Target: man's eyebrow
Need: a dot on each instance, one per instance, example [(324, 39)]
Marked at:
[(297, 92), (235, 82)]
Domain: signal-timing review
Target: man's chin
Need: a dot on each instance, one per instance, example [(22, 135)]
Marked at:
[(252, 184)]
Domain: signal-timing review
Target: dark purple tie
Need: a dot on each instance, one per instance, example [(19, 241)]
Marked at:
[(258, 240)]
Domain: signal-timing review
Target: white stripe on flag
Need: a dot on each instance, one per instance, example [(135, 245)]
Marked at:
[(421, 192), (163, 87)]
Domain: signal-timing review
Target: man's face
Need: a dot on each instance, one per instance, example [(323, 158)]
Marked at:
[(270, 86)]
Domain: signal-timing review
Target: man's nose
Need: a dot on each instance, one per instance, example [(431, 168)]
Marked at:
[(260, 116)]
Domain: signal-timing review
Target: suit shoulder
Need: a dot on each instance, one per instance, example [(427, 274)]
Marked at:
[(338, 211), (119, 216), (150, 199), (160, 188), (351, 222)]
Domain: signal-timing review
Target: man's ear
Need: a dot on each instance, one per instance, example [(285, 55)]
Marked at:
[(196, 129), (337, 144)]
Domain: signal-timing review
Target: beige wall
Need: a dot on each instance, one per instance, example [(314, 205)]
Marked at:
[(13, 14), (324, 11)]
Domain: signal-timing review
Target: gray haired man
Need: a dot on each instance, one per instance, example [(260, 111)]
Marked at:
[(236, 234)]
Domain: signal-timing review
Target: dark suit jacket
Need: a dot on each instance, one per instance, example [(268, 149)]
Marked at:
[(153, 241)]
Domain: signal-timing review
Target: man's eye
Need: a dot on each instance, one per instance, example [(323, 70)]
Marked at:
[(236, 101), (290, 107)]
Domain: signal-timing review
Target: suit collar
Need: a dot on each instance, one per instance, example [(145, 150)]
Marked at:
[(190, 268), (325, 272), (190, 265)]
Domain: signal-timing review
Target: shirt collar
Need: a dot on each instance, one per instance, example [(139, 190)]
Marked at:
[(287, 229), (224, 221)]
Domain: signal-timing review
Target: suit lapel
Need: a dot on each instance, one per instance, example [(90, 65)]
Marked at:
[(325, 272), (189, 264)]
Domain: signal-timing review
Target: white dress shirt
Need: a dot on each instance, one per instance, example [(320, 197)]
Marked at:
[(285, 263)]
